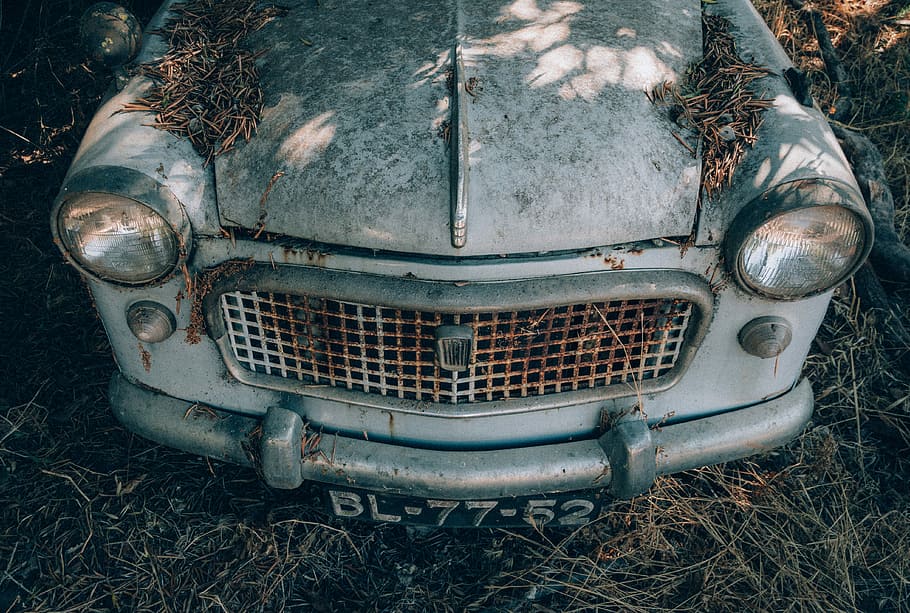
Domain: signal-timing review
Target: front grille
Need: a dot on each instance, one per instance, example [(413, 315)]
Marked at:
[(516, 353)]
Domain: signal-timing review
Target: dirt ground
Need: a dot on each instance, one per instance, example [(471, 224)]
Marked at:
[(92, 518)]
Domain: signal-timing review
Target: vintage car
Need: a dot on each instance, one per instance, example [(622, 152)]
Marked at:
[(474, 263)]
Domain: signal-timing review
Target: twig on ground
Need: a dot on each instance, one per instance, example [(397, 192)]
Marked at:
[(833, 65), (890, 257)]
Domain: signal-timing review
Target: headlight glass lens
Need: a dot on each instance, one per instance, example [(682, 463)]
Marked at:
[(802, 252), (118, 238)]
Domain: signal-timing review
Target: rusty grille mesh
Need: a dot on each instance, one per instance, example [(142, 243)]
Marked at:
[(390, 351)]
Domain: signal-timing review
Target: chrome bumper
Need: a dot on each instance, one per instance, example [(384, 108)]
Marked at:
[(626, 459)]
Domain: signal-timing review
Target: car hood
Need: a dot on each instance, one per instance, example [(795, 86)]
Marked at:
[(525, 124)]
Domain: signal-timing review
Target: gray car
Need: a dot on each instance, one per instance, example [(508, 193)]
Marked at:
[(469, 264)]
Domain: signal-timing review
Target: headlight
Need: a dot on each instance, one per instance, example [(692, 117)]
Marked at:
[(117, 238), (800, 239)]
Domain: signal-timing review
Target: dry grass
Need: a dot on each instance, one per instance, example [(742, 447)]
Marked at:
[(875, 49), (93, 519)]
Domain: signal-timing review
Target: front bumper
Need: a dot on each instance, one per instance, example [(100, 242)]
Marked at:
[(626, 459)]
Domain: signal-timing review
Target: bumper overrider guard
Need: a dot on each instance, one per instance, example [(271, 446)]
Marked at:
[(626, 459)]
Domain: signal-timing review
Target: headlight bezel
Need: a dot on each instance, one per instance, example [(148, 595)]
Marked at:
[(787, 198), (120, 182)]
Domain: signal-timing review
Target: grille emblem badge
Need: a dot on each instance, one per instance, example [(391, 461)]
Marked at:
[(453, 347)]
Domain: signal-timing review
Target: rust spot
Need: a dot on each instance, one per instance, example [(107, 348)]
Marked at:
[(146, 358), (315, 256), (614, 263)]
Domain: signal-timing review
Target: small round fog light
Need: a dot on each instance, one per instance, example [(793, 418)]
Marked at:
[(150, 322), (766, 337)]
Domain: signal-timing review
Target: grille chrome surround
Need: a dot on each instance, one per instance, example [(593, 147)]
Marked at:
[(389, 350)]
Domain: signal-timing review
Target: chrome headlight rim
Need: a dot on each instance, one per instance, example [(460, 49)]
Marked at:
[(788, 198), (120, 182)]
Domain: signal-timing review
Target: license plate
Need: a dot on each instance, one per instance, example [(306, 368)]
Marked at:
[(571, 509)]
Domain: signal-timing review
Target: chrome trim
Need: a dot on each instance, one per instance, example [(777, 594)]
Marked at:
[(625, 459), (464, 298), (792, 196), (459, 142), (133, 185)]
